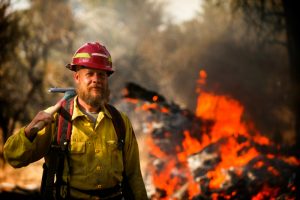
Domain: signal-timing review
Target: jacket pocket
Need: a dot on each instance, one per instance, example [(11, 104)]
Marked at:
[(78, 158), (77, 147)]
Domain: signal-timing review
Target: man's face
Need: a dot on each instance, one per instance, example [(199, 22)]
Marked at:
[(92, 86)]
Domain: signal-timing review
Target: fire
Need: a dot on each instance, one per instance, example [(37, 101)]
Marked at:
[(190, 144), (213, 153), (155, 150), (224, 111)]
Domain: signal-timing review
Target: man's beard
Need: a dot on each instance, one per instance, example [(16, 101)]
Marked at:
[(95, 101)]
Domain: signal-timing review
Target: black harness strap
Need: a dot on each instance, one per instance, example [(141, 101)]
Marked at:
[(47, 187), (119, 126), (64, 130)]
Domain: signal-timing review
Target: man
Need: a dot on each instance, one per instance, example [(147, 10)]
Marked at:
[(95, 165)]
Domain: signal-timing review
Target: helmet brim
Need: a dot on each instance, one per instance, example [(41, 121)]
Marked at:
[(72, 67)]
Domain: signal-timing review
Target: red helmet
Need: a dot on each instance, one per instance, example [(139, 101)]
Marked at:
[(92, 55)]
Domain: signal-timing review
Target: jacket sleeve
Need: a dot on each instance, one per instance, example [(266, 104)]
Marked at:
[(19, 151), (132, 163)]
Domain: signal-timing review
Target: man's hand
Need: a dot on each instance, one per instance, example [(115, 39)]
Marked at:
[(42, 116)]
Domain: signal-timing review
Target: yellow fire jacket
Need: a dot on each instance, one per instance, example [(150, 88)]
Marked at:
[(96, 161)]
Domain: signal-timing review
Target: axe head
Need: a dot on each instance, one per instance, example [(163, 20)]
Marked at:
[(60, 90), (69, 94)]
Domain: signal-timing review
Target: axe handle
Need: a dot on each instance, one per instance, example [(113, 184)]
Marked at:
[(40, 125)]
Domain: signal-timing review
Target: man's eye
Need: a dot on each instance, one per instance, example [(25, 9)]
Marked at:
[(102, 75)]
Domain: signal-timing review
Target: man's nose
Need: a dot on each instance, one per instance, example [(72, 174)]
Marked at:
[(95, 78)]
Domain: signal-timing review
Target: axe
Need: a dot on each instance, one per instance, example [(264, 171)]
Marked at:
[(69, 93)]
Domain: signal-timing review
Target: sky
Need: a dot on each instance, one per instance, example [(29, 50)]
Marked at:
[(181, 10), (178, 10)]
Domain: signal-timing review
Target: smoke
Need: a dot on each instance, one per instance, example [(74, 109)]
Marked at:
[(239, 63), (255, 75)]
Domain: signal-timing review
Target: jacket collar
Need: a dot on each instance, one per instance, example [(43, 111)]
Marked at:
[(78, 113)]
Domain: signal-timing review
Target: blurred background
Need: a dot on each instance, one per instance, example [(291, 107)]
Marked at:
[(247, 50)]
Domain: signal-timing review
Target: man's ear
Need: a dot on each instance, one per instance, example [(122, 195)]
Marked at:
[(76, 77)]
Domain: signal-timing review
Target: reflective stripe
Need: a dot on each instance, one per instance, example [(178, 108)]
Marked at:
[(82, 55), (99, 54)]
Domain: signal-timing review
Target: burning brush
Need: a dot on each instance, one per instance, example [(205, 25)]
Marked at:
[(209, 154)]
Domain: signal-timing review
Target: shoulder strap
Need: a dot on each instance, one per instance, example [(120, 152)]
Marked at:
[(64, 131), (119, 126), (64, 126)]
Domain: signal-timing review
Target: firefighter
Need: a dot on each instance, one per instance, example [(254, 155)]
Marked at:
[(94, 167)]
